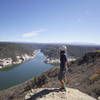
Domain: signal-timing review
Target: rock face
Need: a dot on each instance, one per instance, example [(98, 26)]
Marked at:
[(90, 57), (6, 62), (56, 94)]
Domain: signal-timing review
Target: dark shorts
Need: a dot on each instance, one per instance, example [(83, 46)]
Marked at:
[(61, 75)]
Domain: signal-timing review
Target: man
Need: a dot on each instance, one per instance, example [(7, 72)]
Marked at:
[(63, 68)]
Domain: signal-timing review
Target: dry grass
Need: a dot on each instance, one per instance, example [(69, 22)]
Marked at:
[(94, 77), (98, 71), (96, 51)]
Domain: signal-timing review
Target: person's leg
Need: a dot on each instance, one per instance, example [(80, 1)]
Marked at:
[(65, 80), (60, 78), (62, 82), (62, 85)]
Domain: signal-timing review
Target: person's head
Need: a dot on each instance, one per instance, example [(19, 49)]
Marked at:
[(63, 49), (62, 52)]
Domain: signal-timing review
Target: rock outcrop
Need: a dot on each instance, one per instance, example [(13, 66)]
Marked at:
[(56, 94)]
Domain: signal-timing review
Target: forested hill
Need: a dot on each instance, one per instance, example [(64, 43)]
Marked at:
[(52, 51), (15, 49)]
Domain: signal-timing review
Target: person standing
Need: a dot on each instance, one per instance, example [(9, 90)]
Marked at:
[(64, 65)]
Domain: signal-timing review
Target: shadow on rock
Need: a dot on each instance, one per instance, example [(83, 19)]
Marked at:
[(42, 93)]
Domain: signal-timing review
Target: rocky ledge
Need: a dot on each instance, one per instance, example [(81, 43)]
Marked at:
[(56, 94)]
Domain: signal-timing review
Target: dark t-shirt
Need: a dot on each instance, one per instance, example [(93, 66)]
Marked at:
[(63, 60)]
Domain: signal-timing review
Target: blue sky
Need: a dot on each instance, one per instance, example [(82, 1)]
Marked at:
[(60, 21)]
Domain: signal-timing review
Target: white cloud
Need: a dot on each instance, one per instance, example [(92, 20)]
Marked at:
[(32, 34), (29, 34)]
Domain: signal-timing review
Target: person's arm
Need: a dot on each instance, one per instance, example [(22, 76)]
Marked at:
[(68, 66), (66, 61)]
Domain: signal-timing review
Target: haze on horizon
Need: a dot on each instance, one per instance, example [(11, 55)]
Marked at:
[(50, 21)]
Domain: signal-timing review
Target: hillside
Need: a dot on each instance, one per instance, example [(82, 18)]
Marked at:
[(85, 76), (52, 51), (11, 50)]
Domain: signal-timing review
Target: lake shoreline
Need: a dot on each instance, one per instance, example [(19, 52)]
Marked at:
[(19, 62), (23, 72)]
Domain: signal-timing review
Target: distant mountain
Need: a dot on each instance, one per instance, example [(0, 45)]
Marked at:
[(83, 43)]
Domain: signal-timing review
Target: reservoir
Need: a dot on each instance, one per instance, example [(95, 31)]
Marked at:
[(23, 72)]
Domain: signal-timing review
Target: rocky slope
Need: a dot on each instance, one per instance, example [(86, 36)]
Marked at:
[(84, 76)]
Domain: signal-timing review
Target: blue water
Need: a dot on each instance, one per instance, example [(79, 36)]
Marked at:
[(23, 72)]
